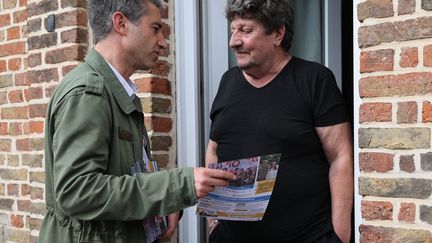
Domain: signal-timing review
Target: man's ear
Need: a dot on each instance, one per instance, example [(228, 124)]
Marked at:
[(279, 35), (119, 21)]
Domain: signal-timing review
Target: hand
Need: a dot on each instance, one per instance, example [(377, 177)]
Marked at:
[(173, 220), (207, 179), (343, 232)]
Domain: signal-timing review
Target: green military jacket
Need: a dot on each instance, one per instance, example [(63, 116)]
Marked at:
[(94, 134)]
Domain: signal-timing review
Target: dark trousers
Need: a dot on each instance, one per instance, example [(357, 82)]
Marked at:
[(217, 236)]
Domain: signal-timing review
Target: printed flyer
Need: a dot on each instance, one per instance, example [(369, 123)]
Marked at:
[(247, 197)]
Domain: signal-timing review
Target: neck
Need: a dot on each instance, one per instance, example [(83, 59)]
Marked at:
[(264, 75), (115, 57)]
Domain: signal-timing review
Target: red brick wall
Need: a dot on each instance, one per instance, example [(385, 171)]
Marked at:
[(32, 62), (395, 87)]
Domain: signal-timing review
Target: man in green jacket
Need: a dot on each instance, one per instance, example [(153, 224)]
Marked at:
[(95, 138)]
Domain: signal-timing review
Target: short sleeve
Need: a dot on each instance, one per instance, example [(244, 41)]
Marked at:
[(328, 103)]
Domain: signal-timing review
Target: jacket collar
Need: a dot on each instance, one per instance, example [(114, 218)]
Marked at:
[(98, 63)]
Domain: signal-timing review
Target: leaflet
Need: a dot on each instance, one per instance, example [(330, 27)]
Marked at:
[(247, 197)]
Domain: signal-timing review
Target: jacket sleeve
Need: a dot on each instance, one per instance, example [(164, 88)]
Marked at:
[(84, 191)]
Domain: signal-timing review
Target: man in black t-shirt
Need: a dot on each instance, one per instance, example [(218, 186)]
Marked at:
[(275, 103)]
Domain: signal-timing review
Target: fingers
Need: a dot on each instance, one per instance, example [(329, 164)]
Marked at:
[(173, 220), (207, 179)]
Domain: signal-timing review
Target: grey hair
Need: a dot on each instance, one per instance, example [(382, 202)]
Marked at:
[(101, 11), (271, 13)]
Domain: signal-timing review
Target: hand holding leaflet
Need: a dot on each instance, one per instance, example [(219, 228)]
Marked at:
[(245, 198)]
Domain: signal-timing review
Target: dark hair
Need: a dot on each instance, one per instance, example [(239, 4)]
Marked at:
[(271, 13), (101, 11)]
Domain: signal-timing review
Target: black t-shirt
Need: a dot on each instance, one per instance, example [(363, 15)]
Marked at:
[(281, 118)]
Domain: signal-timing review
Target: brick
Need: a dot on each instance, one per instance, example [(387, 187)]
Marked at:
[(13, 33), (25, 189), (409, 57), (50, 90), (3, 128), (76, 17), (418, 83), (17, 235), (34, 60), (34, 223), (41, 7), (379, 60), (37, 110), (16, 96), (376, 210), (74, 3), (14, 113), (13, 190), (15, 129), (2, 190), (406, 163), (20, 16), (13, 174), (30, 144), (17, 221), (5, 20), (395, 31), (394, 138), (76, 35), (9, 4), (426, 214), (5, 145), (426, 5), (376, 162), (158, 124), (395, 187), (37, 177), (43, 41), (2, 35), (161, 68), (407, 112), (159, 143), (21, 79), (4, 219), (22, 3), (32, 160), (379, 234), (6, 204), (3, 98), (426, 161), (3, 67), (407, 212), (427, 112), (14, 64), (44, 75), (406, 7), (375, 112), (427, 56), (6, 81), (153, 85), (37, 208), (33, 93), (375, 9), (162, 160), (156, 105), (37, 193), (34, 127), (34, 25), (71, 53), (10, 49), (24, 205), (67, 69), (13, 160)]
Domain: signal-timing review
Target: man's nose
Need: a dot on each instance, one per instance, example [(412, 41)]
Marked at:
[(235, 42)]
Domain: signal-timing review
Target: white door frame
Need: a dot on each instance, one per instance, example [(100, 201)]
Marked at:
[(187, 92)]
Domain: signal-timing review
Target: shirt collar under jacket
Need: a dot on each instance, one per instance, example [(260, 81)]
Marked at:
[(128, 85)]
